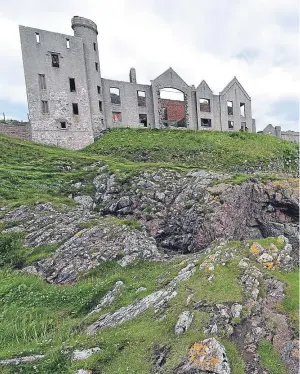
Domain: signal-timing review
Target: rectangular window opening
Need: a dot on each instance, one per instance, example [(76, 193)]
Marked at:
[(205, 122), (116, 117), (115, 95), (72, 85), (99, 90), (37, 37), (230, 124), (94, 46), (164, 113), (143, 119), (205, 105), (75, 109), (68, 43), (63, 125), (96, 66), (242, 109), (100, 106), (141, 95), (42, 81), (230, 108), (55, 60), (45, 107)]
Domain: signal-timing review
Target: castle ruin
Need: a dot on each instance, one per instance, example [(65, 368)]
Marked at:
[(70, 103)]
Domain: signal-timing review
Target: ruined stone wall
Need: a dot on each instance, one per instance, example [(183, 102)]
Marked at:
[(37, 59), (18, 130), (128, 107), (291, 136)]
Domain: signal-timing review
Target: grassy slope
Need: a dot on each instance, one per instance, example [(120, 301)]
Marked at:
[(31, 172), (204, 149)]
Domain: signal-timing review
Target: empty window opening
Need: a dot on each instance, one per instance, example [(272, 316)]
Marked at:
[(204, 105), (94, 46), (100, 106), (205, 122), (116, 117), (164, 113), (242, 109), (96, 66), (143, 119), (141, 96), (75, 108), (172, 107), (102, 121), (63, 125), (68, 43), (55, 60), (230, 107), (115, 95), (42, 81), (230, 124), (37, 37), (45, 107), (99, 90), (72, 85)]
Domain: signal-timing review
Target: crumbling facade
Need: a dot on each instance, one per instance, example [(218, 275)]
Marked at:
[(291, 136), (70, 103)]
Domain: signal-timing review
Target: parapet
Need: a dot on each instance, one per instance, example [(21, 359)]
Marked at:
[(85, 22)]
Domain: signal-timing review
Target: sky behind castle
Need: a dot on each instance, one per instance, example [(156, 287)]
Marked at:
[(257, 41)]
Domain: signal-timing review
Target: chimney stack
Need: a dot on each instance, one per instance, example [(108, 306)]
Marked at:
[(132, 75)]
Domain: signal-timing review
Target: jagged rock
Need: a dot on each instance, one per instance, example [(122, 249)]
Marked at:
[(141, 289), (265, 257), (109, 298), (207, 356), (84, 354), (21, 360), (186, 272), (85, 201), (184, 321), (83, 371), (90, 247), (131, 311)]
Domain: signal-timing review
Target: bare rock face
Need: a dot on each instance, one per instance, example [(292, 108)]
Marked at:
[(90, 247), (186, 212), (207, 356)]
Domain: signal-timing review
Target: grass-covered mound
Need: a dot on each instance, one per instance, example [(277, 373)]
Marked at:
[(227, 151)]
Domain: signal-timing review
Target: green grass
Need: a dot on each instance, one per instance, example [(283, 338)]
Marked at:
[(270, 358), (290, 303), (203, 149)]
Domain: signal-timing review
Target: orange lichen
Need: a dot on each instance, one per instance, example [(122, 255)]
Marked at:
[(197, 356), (269, 265), (254, 249)]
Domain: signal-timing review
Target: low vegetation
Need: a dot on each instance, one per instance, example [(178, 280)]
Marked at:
[(202, 149)]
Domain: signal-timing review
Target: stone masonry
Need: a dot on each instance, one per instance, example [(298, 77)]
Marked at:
[(70, 104)]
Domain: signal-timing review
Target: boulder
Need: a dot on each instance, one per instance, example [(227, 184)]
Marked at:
[(184, 321), (207, 356)]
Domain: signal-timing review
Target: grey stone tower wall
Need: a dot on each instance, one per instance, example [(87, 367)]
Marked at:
[(87, 31), (46, 128)]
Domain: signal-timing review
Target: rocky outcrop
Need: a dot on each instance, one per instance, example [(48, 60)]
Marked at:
[(90, 247), (186, 212), (21, 360), (184, 321)]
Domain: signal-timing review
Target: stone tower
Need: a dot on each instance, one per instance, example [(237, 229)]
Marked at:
[(87, 31)]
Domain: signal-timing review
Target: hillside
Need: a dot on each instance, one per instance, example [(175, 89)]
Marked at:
[(150, 252)]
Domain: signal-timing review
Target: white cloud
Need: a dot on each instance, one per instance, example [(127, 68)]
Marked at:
[(199, 39)]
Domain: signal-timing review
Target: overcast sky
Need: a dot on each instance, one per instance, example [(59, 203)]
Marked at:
[(257, 41)]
